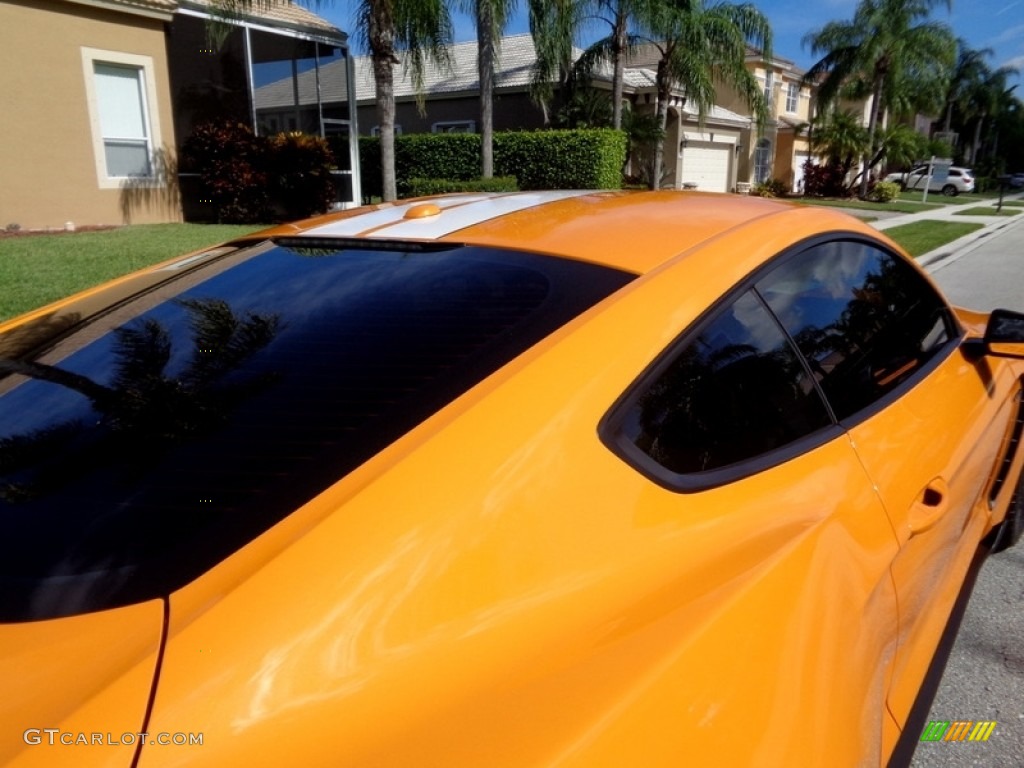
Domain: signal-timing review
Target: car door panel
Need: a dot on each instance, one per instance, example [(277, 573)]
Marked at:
[(936, 503)]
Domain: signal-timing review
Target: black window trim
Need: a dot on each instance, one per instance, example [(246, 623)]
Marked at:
[(610, 432)]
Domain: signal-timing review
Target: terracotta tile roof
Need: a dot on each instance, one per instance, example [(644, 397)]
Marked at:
[(271, 12)]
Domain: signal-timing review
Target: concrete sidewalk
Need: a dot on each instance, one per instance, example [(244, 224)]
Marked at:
[(991, 225)]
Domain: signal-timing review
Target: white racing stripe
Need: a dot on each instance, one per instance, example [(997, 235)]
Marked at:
[(457, 212)]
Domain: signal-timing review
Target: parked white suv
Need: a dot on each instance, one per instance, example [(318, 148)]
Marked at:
[(959, 180)]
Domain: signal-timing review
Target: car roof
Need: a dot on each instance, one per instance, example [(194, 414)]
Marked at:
[(632, 231)]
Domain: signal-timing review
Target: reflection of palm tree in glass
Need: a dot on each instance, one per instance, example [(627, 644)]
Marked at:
[(143, 408)]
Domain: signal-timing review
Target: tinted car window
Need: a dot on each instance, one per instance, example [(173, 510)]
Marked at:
[(148, 452), (864, 319), (734, 391)]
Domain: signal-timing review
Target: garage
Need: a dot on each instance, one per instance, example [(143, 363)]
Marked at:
[(706, 165)]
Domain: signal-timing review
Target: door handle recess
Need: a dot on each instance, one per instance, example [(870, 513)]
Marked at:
[(930, 506)]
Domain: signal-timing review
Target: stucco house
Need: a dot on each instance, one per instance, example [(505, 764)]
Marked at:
[(99, 95), (781, 150)]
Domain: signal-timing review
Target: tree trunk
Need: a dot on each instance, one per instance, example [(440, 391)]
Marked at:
[(664, 91), (381, 35), (486, 45), (619, 73), (101, 396), (876, 107), (976, 144), (384, 75)]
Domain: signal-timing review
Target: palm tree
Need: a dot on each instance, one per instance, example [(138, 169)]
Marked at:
[(419, 29), (886, 42), (699, 44), (986, 98), (554, 24), (840, 138), (612, 48), (491, 17), (970, 69)]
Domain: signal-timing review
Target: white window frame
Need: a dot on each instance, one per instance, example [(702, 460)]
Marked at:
[(150, 115), (792, 98), (375, 131), (769, 86), (763, 161), (440, 127)]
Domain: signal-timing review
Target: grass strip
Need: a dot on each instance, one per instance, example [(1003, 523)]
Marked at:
[(38, 269), (920, 237), (987, 210), (896, 206)]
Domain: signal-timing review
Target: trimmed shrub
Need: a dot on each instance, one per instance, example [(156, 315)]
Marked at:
[(824, 181), (246, 178), (453, 156), (421, 187), (771, 188), (231, 163), (884, 192), (299, 166), (579, 159)]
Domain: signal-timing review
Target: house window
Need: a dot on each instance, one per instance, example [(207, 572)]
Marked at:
[(792, 98), (763, 161), (122, 112), (454, 126), (769, 86), (375, 131)]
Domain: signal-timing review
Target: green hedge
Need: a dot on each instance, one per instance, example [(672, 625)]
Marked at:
[(571, 159), (577, 159), (420, 187)]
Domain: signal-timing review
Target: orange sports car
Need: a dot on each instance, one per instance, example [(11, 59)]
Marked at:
[(537, 479)]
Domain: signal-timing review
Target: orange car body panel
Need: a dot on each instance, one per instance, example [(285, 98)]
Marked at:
[(89, 674), (498, 588)]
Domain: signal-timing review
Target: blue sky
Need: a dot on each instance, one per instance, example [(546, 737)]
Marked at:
[(996, 24)]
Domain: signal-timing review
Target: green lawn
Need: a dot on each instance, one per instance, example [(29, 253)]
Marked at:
[(38, 269), (896, 206), (920, 237), (1013, 203), (914, 195), (987, 210)]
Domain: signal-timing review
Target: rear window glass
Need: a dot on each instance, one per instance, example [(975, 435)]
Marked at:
[(735, 391), (864, 319), (135, 460)]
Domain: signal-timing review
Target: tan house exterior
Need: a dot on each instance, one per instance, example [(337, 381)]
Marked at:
[(98, 96), (55, 56), (781, 150)]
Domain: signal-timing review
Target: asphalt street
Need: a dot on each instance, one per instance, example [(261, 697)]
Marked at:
[(984, 679)]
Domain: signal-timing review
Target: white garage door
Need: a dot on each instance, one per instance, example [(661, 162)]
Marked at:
[(707, 165)]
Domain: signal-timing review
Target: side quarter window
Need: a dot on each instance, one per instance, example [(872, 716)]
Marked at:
[(863, 318), (736, 389)]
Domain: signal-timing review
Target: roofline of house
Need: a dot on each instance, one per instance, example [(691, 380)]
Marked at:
[(315, 34), (140, 8)]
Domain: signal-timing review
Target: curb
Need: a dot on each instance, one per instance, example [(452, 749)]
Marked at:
[(957, 248)]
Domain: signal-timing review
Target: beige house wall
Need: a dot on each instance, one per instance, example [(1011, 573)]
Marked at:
[(779, 128), (48, 156)]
